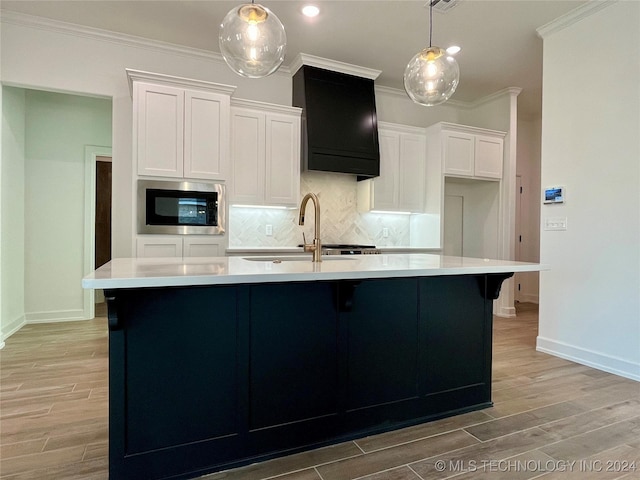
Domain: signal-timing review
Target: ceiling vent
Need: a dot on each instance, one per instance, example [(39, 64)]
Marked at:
[(442, 6)]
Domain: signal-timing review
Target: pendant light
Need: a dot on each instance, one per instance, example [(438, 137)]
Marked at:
[(252, 40), (432, 76)]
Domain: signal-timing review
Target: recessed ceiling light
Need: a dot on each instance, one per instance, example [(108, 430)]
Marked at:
[(310, 10), (453, 49)]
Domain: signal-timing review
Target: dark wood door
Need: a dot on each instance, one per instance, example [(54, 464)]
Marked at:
[(103, 213)]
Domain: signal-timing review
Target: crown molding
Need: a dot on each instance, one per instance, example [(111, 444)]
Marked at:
[(510, 91), (264, 106), (572, 17), (334, 65), (42, 23), (469, 129), (32, 21), (449, 103), (140, 76), (402, 128)]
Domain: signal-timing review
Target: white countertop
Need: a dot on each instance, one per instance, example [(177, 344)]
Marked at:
[(166, 272), (235, 251)]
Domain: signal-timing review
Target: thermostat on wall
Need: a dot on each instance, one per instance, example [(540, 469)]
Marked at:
[(554, 195)]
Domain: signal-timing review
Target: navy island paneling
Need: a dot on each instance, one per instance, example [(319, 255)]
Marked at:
[(212, 377)]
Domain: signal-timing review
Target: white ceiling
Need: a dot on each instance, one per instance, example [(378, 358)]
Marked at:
[(500, 47)]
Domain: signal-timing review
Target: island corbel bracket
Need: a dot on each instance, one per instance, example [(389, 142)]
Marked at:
[(112, 313), (494, 284)]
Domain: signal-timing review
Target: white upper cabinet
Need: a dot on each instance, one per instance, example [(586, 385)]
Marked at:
[(458, 150), (248, 156), (206, 135), (401, 184), (411, 173), (489, 155), (471, 152), (160, 128), (181, 126), (265, 154), (282, 159), (384, 193)]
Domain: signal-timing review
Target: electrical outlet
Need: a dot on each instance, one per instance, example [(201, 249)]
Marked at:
[(269, 230), (385, 232)]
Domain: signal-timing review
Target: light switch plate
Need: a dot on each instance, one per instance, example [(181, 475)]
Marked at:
[(555, 223)]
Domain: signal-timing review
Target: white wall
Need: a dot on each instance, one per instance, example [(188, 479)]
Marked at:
[(57, 127), (590, 299), (394, 106), (493, 112), (12, 200)]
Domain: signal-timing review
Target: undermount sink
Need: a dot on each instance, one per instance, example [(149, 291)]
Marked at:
[(298, 258)]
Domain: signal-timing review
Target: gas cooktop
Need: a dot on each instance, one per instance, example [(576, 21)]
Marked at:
[(347, 249)]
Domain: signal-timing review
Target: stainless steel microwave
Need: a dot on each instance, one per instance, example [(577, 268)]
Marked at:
[(181, 207)]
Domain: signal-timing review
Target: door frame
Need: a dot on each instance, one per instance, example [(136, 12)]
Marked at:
[(517, 254), (91, 154)]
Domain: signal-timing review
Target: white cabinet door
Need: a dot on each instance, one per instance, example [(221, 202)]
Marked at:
[(282, 159), (458, 151), (158, 246), (265, 156), (384, 195), (159, 119), (174, 246), (247, 156), (401, 184), (488, 157), (206, 135), (411, 172), (203, 246)]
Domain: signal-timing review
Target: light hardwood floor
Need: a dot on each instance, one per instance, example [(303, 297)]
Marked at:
[(551, 419)]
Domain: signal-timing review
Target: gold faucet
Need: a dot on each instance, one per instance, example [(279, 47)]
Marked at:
[(316, 246)]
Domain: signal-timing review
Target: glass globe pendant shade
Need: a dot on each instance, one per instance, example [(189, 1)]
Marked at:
[(431, 77), (252, 40)]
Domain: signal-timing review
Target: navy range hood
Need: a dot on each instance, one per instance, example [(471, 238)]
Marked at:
[(339, 121)]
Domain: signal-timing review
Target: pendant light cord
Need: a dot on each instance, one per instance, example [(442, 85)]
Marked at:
[(430, 21)]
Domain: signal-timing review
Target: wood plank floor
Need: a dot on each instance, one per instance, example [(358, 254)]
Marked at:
[(551, 419)]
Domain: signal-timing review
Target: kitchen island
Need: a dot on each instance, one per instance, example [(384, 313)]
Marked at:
[(220, 362)]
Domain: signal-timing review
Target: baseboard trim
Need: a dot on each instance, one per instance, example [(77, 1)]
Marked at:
[(56, 316), (12, 328), (590, 358), (506, 312), (529, 298)]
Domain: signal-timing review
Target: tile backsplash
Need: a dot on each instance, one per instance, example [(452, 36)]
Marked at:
[(340, 220)]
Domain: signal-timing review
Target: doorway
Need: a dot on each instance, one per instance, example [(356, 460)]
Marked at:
[(102, 226), (98, 229)]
